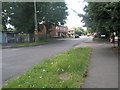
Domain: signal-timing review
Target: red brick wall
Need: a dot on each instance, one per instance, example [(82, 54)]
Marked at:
[(43, 32), (53, 32)]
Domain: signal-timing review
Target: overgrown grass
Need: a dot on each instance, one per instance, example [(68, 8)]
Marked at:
[(46, 75), (34, 43)]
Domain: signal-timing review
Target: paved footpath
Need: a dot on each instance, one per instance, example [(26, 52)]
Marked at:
[(103, 68)]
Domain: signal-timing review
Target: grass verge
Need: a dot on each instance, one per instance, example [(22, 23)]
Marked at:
[(33, 43), (73, 63), (97, 39)]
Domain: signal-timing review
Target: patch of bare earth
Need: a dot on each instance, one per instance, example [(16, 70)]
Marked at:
[(64, 76)]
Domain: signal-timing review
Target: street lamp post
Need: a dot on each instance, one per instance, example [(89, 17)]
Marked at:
[(35, 16)]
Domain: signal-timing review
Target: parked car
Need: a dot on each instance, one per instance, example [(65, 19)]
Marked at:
[(76, 36), (88, 35)]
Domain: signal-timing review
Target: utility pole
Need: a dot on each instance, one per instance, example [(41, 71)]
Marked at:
[(35, 17)]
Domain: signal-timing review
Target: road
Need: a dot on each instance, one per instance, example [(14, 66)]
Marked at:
[(16, 61)]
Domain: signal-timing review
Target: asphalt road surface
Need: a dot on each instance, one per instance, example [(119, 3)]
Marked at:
[(16, 61)]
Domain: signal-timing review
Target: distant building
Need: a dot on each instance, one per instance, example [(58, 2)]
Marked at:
[(71, 32), (61, 31), (56, 31), (43, 31)]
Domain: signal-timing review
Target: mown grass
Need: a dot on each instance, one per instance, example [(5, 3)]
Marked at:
[(46, 75), (97, 39), (33, 43)]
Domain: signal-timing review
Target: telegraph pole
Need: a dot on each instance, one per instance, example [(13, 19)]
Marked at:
[(35, 17)]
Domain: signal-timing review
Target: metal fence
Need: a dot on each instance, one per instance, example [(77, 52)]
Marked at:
[(26, 38)]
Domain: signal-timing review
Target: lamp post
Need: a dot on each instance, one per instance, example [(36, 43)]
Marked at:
[(35, 17)]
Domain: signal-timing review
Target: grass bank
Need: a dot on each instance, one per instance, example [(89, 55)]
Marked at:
[(97, 39), (33, 43), (66, 70)]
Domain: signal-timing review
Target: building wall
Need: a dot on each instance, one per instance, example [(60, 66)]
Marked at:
[(43, 32), (53, 32), (61, 31), (61, 28), (71, 32)]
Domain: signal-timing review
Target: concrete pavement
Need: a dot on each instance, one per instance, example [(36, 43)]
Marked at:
[(103, 68)]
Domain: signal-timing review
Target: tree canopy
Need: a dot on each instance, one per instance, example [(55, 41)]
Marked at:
[(21, 14), (78, 30), (102, 17)]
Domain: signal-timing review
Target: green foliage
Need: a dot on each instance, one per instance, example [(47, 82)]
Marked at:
[(46, 75), (5, 14), (1, 27), (78, 30), (102, 17), (21, 14), (40, 27), (89, 30), (54, 14), (9, 29)]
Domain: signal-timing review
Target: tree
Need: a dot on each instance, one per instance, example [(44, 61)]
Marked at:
[(78, 30), (21, 15), (102, 17), (5, 14), (89, 30), (54, 13), (1, 27)]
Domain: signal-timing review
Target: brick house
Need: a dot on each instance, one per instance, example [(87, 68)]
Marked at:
[(43, 31), (56, 31), (71, 32), (61, 31)]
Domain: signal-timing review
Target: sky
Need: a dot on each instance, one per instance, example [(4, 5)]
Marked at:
[(73, 20)]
